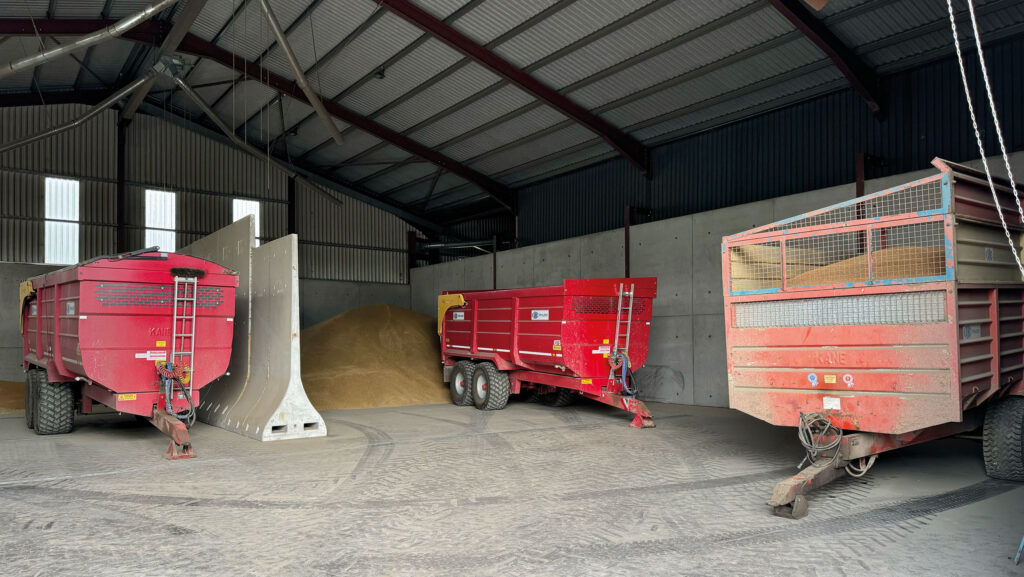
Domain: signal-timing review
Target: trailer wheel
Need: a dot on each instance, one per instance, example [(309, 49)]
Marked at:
[(490, 387), (461, 390), (32, 379), (1003, 439), (55, 408), (559, 398)]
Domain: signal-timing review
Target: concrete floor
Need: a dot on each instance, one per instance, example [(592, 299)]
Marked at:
[(530, 490)]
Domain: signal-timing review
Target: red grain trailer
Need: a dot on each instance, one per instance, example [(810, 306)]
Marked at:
[(877, 323), (141, 333), (583, 337)]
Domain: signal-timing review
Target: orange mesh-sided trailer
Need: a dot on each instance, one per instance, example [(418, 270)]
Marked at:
[(884, 321)]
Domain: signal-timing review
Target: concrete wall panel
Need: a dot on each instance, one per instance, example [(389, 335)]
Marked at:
[(710, 384), (708, 230), (602, 255), (664, 249), (515, 268), (422, 286), (556, 261), (479, 273), (668, 375)]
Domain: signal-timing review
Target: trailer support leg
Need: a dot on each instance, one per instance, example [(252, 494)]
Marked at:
[(181, 444), (788, 497), (642, 420)]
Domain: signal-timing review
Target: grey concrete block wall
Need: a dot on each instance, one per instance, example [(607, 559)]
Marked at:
[(11, 277), (320, 300)]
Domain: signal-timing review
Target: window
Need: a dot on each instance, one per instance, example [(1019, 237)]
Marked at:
[(160, 220), (61, 241), (242, 208)]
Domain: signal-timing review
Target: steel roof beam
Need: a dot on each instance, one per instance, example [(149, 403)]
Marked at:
[(149, 32), (334, 51), (198, 47), (554, 56), (861, 76), (373, 74), (186, 18), (635, 152), (646, 55)]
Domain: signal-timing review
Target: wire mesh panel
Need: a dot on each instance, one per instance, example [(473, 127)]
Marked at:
[(913, 199), (908, 251), (826, 259), (881, 309), (756, 266)]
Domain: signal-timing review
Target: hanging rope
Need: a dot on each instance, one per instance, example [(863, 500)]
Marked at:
[(992, 106), (977, 130)]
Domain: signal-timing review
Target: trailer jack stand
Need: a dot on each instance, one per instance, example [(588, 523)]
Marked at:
[(643, 419), (788, 497), (181, 444), (642, 422)]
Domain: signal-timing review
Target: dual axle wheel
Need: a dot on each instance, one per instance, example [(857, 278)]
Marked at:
[(49, 407), (486, 387)]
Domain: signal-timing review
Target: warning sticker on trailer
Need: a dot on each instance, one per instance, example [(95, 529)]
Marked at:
[(152, 355), (831, 404), (127, 397), (540, 315), (457, 316), (602, 350)]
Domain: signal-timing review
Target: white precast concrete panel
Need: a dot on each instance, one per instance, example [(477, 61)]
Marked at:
[(262, 395)]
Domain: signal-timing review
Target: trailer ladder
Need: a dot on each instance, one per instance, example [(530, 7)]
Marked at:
[(184, 329), (629, 318)]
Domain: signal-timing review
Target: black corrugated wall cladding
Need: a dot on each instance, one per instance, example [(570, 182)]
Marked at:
[(803, 147)]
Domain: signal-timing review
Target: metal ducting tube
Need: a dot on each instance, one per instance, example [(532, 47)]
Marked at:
[(300, 77), (227, 130), (113, 31), (95, 110)]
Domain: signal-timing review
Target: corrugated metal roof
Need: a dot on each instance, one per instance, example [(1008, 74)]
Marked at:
[(563, 28), (656, 68)]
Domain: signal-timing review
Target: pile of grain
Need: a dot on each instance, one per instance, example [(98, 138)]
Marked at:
[(375, 356), (889, 263), (12, 397), (759, 266)]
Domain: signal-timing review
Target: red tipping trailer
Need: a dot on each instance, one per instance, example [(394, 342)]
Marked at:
[(582, 337), (141, 333), (881, 322)]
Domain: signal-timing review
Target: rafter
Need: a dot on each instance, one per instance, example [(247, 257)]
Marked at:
[(861, 76), (148, 33), (635, 152)]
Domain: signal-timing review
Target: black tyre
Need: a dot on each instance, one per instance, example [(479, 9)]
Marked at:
[(459, 386), (559, 398), (1003, 439), (490, 387), (529, 396), (55, 408), (32, 377)]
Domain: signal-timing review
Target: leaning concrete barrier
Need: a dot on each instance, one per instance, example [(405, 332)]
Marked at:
[(262, 395)]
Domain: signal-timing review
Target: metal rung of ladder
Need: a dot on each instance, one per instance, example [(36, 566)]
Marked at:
[(629, 317), (183, 344)]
